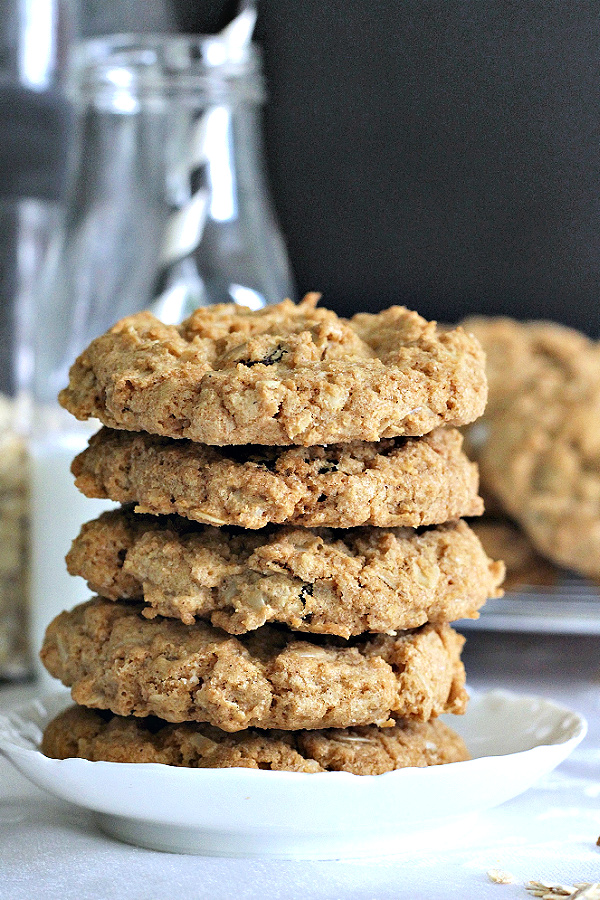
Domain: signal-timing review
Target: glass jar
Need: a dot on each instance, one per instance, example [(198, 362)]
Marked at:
[(169, 209), (35, 40), (26, 224)]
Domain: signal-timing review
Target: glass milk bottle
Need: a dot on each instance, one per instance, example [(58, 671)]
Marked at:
[(168, 209)]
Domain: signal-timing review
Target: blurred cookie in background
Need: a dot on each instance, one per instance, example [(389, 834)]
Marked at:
[(525, 567), (538, 443), (521, 356)]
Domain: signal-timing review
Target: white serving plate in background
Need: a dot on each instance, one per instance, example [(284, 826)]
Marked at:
[(572, 606)]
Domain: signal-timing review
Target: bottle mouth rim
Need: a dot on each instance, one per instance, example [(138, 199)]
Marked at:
[(165, 64)]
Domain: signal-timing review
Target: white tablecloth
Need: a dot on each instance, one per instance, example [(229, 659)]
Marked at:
[(50, 849)]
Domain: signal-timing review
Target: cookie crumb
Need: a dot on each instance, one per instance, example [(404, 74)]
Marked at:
[(580, 890), (500, 877), (540, 889)]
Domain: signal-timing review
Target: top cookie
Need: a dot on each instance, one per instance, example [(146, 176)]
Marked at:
[(286, 374)]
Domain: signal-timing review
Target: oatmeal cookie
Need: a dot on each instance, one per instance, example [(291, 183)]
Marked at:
[(524, 565), (87, 734), (114, 658), (521, 354), (285, 374), (542, 460), (329, 582), (538, 444), (401, 481)]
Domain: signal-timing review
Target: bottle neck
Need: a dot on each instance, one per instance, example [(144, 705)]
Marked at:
[(157, 157), (127, 74)]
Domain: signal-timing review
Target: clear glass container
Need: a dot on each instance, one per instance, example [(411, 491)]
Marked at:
[(35, 39), (26, 226), (169, 209)]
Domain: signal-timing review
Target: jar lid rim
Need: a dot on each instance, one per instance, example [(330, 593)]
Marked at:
[(172, 54), (165, 65)]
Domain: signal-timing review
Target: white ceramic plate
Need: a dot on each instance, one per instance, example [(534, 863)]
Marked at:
[(247, 812)]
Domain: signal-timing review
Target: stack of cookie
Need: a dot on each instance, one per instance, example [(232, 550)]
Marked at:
[(276, 589)]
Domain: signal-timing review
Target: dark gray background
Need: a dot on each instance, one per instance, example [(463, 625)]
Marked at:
[(441, 154)]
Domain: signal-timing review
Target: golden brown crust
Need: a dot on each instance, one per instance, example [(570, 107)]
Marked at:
[(329, 582), (283, 375), (84, 733), (113, 658), (396, 482)]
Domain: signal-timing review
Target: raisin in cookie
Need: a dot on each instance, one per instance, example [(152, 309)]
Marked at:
[(329, 582), (114, 658), (87, 734), (282, 375), (401, 481)]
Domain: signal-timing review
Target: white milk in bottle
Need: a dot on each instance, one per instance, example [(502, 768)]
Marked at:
[(58, 511)]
